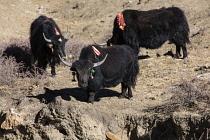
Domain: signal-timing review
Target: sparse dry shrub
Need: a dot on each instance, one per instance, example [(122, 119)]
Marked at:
[(73, 48), (15, 63), (8, 70), (190, 92), (36, 77), (191, 96), (18, 42), (19, 49)]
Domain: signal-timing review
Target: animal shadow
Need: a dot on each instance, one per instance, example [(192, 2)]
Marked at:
[(78, 93), (20, 53), (143, 57), (169, 53)]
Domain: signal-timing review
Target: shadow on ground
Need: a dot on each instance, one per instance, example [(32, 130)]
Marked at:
[(77, 93)]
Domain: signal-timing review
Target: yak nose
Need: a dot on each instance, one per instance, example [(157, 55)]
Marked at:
[(82, 85)]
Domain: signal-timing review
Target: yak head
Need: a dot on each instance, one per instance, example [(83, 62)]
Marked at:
[(57, 44), (84, 70)]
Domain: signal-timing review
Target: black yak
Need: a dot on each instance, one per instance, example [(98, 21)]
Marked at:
[(106, 67), (151, 29), (46, 43)]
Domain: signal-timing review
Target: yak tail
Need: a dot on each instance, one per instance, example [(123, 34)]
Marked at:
[(188, 40), (133, 72)]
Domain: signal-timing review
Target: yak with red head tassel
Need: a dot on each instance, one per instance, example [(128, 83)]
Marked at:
[(151, 29), (47, 42)]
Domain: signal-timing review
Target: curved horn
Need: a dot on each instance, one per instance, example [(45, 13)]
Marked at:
[(48, 40), (64, 62), (67, 33), (101, 44), (101, 62)]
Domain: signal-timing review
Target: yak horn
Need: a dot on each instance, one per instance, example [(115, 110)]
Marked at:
[(67, 33), (64, 62), (48, 40), (100, 62), (101, 44)]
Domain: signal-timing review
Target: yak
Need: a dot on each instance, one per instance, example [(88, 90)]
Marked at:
[(46, 42), (151, 29), (99, 68)]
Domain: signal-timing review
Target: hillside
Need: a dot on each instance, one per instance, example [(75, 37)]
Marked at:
[(171, 101)]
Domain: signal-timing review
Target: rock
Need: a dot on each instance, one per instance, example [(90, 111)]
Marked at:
[(12, 119), (111, 136), (204, 76)]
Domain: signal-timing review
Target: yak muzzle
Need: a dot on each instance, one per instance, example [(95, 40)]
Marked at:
[(82, 85)]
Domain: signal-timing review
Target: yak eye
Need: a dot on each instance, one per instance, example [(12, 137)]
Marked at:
[(60, 40)]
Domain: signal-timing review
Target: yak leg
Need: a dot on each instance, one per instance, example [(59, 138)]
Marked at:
[(33, 65), (178, 54), (91, 96), (52, 64), (184, 50), (42, 65), (130, 95), (124, 89), (180, 42)]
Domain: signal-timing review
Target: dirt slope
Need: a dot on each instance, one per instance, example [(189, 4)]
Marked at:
[(56, 109)]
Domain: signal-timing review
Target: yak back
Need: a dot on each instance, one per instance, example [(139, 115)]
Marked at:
[(121, 64), (44, 24)]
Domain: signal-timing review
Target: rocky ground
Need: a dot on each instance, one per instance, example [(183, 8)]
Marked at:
[(171, 98)]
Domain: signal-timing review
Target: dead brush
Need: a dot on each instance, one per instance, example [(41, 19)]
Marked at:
[(8, 70), (37, 79), (73, 48), (13, 42), (191, 96), (15, 63), (19, 49)]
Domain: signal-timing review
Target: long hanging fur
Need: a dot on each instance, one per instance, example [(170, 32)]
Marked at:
[(150, 29)]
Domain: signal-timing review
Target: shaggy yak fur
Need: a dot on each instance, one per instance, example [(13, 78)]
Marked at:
[(151, 29), (46, 43), (120, 66)]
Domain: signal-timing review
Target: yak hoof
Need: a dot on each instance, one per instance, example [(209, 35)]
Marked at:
[(131, 98), (185, 60), (90, 102), (176, 56), (121, 96)]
